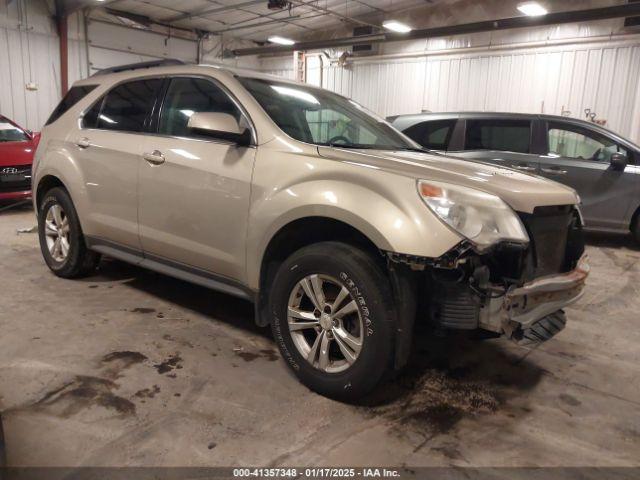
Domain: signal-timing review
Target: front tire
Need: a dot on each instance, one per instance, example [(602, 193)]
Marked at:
[(333, 319), (61, 238)]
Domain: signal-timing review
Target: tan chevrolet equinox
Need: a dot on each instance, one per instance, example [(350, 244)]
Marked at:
[(342, 231)]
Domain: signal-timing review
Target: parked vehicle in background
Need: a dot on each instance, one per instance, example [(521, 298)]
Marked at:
[(603, 167), (340, 229), (17, 148)]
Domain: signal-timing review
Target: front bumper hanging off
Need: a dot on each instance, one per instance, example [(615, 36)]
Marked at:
[(522, 308)]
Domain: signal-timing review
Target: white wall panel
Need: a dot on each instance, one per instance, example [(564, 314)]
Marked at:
[(603, 77), (29, 53), (112, 45)]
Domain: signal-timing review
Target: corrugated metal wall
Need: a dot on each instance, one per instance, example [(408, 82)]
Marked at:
[(29, 53), (112, 45), (28, 57), (604, 77)]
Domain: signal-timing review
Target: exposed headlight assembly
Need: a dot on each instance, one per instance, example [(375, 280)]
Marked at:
[(484, 219)]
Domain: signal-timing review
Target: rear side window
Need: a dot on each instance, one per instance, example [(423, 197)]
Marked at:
[(125, 108), (187, 96), (72, 97), (90, 118), (434, 135), (500, 135)]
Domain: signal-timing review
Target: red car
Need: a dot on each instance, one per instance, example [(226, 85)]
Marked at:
[(17, 147)]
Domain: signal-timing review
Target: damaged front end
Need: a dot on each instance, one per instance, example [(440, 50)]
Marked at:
[(512, 289)]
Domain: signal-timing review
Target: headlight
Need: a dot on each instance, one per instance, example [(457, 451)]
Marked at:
[(482, 218)]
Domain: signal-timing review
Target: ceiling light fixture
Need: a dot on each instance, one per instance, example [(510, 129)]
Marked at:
[(396, 26), (532, 9), (281, 40)]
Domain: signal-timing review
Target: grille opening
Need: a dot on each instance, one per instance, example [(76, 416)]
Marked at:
[(556, 238)]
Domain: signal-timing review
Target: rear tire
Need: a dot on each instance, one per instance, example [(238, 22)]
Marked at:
[(61, 238), (635, 229), (352, 317)]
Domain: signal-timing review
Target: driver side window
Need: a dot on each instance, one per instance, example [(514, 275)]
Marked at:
[(187, 96), (582, 144)]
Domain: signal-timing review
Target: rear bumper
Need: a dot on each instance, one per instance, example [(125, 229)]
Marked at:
[(520, 308)]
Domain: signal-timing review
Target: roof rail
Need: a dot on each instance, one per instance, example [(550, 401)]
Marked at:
[(137, 66)]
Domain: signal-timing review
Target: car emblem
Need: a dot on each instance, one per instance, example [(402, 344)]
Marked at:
[(9, 170)]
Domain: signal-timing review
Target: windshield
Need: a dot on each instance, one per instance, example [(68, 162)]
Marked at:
[(11, 133), (320, 117)]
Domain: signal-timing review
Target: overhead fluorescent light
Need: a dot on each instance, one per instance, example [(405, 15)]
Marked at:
[(396, 26), (281, 40), (532, 9)]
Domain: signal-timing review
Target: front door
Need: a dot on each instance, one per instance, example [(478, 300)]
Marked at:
[(194, 190), (504, 142), (580, 158)]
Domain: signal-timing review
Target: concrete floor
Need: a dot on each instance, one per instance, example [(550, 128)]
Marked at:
[(133, 368)]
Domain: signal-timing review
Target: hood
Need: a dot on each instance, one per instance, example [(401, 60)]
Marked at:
[(520, 191), (18, 153)]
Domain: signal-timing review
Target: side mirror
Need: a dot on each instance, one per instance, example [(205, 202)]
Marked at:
[(619, 161), (219, 125)]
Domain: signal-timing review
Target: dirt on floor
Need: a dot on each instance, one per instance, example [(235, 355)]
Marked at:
[(129, 367)]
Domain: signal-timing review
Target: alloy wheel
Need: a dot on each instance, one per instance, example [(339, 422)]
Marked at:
[(56, 229), (325, 323)]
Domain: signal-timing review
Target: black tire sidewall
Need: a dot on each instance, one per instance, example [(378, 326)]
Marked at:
[(70, 265), (368, 286)]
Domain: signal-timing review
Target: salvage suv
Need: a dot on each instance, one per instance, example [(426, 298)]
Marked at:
[(341, 230)]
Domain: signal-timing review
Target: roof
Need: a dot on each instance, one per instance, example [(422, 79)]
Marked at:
[(144, 71)]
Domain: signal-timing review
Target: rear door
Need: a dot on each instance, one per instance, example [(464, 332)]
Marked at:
[(433, 134), (580, 158), (505, 142), (109, 149)]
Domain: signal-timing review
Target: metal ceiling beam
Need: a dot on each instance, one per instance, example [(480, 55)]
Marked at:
[(618, 11), (271, 16), (365, 4), (328, 11), (209, 11), (242, 7), (251, 25), (67, 7), (298, 18)]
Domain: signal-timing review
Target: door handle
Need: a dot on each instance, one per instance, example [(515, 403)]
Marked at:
[(525, 168), (554, 171), (84, 142), (155, 158)]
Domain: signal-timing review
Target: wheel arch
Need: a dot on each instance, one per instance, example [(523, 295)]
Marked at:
[(300, 233), (45, 184)]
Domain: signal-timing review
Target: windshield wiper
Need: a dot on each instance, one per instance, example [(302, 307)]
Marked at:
[(351, 145), (416, 149), (365, 146)]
